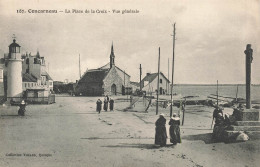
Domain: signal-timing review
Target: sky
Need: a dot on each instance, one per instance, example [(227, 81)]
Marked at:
[(211, 36)]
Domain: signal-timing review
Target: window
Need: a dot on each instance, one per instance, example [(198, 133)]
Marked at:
[(32, 84), (160, 80), (25, 85), (27, 61), (27, 70)]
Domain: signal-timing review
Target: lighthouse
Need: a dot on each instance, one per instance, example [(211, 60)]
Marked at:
[(14, 73)]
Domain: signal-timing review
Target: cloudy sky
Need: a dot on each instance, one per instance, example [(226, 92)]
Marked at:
[(211, 36)]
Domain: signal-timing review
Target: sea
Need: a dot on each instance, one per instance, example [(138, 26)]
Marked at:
[(223, 90)]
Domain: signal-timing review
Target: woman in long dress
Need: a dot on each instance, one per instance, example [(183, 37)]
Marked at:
[(160, 131), (174, 123), (22, 110), (111, 104), (105, 104)]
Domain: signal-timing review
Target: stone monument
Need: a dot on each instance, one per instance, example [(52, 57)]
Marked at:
[(248, 119)]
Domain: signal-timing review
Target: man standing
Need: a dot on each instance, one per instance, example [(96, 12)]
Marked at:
[(99, 105)]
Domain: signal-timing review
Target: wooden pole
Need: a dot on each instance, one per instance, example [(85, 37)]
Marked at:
[(158, 82), (249, 59), (168, 77), (79, 67), (183, 111), (140, 77), (217, 93), (173, 46), (124, 84), (124, 78), (236, 93)]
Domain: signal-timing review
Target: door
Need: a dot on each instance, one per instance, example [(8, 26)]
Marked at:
[(113, 89)]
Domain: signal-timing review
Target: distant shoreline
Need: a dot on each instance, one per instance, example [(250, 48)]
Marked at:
[(213, 84)]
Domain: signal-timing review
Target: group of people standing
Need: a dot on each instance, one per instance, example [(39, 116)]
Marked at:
[(105, 106), (160, 130)]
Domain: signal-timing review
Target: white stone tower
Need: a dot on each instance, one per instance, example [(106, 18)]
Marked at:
[(14, 73)]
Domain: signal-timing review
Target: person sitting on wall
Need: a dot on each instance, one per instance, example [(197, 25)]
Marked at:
[(236, 115)]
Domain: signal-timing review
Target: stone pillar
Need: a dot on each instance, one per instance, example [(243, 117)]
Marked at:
[(249, 59)]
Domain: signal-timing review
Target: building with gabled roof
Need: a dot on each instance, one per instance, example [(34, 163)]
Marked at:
[(106, 80), (35, 76), (149, 83), (24, 76)]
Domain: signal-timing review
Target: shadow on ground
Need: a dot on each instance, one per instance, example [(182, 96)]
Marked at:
[(207, 138), (141, 146), (9, 115)]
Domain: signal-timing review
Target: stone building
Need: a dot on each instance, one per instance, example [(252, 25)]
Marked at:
[(23, 76), (35, 77), (149, 83), (106, 80)]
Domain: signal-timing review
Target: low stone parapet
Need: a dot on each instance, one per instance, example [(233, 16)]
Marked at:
[(247, 123), (250, 115)]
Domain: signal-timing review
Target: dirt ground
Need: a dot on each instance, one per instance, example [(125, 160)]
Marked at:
[(71, 133)]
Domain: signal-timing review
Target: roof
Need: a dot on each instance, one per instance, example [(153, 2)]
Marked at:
[(35, 89), (165, 77), (95, 75), (150, 77), (107, 66), (135, 83), (29, 78), (44, 73), (14, 44), (58, 83)]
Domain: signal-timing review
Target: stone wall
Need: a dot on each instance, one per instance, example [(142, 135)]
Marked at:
[(113, 78), (122, 75)]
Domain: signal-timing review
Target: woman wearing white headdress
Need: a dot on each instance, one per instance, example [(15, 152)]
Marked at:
[(22, 110), (174, 130)]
